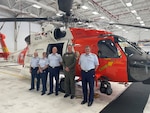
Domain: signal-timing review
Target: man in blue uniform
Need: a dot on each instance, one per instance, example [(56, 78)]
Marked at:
[(55, 61), (88, 63), (33, 69), (43, 65)]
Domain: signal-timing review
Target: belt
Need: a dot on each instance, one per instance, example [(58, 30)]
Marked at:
[(34, 67), (54, 67), (88, 70)]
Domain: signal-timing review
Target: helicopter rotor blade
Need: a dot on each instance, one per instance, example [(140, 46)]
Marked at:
[(64, 5), (23, 19), (62, 19), (144, 27)]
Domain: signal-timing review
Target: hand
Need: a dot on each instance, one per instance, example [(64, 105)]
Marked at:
[(40, 70), (67, 69)]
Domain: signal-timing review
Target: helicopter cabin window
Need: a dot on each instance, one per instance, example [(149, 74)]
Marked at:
[(58, 33), (107, 49)]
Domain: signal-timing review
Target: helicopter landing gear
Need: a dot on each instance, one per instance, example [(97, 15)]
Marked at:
[(105, 87), (62, 85)]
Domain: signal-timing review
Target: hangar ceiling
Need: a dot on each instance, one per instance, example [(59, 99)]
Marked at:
[(135, 12)]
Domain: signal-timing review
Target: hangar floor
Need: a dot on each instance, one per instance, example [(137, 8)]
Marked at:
[(16, 98)]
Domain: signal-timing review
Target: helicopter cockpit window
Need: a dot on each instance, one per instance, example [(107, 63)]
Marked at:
[(129, 48), (107, 49)]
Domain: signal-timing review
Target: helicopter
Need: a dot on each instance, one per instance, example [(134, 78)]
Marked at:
[(120, 60), (5, 52)]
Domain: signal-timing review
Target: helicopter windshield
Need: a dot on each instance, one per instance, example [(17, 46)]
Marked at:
[(128, 47), (138, 61)]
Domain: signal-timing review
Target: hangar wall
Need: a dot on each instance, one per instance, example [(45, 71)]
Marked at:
[(8, 30), (135, 34), (23, 29)]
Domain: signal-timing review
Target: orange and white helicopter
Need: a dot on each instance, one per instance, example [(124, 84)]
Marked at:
[(120, 60)]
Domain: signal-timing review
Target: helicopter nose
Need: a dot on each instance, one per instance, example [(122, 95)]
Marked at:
[(139, 70)]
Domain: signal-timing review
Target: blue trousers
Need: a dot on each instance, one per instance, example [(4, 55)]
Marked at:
[(54, 72), (88, 79), (43, 77), (33, 76), (38, 81), (46, 74)]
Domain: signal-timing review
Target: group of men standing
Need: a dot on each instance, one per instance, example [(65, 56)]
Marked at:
[(40, 67)]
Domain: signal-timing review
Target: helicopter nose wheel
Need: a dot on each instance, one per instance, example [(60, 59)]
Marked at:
[(105, 87)]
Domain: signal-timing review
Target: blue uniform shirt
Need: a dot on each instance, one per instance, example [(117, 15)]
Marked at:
[(54, 59), (88, 62), (43, 62), (34, 62)]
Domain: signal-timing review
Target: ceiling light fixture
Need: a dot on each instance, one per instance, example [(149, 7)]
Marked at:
[(133, 11), (36, 6), (141, 22), (138, 18), (102, 17), (84, 7), (129, 4), (95, 13), (116, 25), (126, 31), (119, 27), (146, 29)]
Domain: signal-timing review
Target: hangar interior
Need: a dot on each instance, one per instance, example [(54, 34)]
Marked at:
[(100, 12), (93, 14)]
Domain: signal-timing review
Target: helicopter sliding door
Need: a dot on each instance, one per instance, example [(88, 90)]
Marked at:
[(59, 49), (113, 63)]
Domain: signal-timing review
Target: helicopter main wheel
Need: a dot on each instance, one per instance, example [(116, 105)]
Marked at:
[(62, 85), (105, 87)]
